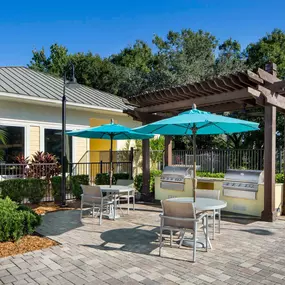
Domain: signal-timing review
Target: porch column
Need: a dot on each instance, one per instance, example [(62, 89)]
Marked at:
[(146, 171), (269, 212), (168, 150)]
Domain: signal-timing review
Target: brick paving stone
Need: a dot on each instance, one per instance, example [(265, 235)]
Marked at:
[(206, 278), (8, 279), (126, 251), (136, 277), (20, 282), (4, 273)]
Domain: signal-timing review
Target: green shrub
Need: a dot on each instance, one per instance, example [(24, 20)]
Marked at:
[(17, 190), (210, 174), (138, 181), (56, 187), (35, 189), (76, 181), (103, 179), (16, 221), (279, 178), (119, 176), (13, 188)]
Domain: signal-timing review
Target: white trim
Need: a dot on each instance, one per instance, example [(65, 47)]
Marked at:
[(57, 102), (74, 146), (27, 140), (44, 124), (42, 138)]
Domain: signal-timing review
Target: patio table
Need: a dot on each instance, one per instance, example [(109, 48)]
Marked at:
[(116, 190), (203, 205)]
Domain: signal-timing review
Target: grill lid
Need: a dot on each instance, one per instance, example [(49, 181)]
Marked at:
[(248, 176), (175, 173)]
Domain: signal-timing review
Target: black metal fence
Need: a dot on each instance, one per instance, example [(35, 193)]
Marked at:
[(219, 160), (32, 170), (93, 168)]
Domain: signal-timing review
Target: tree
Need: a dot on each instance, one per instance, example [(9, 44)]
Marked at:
[(54, 63), (230, 58), (270, 48), (39, 61), (185, 57)]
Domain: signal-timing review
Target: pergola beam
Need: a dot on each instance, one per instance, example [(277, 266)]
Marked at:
[(242, 94), (271, 98)]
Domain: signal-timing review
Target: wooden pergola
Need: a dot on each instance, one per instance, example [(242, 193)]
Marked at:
[(237, 91)]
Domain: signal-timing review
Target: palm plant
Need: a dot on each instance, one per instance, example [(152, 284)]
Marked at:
[(3, 141)]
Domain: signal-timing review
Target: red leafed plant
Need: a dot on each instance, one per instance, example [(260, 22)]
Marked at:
[(44, 165), (40, 165), (21, 159)]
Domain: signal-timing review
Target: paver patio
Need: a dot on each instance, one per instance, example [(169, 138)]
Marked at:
[(126, 252)]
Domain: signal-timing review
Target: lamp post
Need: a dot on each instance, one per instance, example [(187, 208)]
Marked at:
[(69, 84)]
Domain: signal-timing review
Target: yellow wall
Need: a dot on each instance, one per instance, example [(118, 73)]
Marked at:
[(34, 139), (97, 145), (235, 205)]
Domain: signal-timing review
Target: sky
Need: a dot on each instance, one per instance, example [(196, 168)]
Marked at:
[(106, 27)]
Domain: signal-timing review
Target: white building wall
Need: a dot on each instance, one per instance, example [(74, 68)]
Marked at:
[(35, 117)]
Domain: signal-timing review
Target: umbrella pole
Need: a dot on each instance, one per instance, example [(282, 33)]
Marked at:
[(111, 162), (194, 163)]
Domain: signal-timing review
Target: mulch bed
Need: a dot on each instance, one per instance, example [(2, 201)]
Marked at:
[(35, 241), (25, 244), (47, 207)]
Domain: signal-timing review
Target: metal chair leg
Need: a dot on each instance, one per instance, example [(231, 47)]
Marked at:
[(195, 242), (219, 223), (214, 223), (81, 209), (160, 239), (181, 236)]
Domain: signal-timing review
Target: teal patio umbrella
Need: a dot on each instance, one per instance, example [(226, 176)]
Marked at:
[(110, 132), (196, 122)]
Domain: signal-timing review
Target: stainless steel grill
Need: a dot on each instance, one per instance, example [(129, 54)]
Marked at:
[(173, 177), (242, 183)]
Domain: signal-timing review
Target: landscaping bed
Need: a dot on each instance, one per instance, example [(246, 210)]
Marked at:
[(25, 244), (47, 207)]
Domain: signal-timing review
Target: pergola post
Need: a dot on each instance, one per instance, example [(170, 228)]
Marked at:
[(269, 212), (146, 170), (168, 150)]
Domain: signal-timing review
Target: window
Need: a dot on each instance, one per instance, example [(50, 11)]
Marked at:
[(15, 143), (53, 144)]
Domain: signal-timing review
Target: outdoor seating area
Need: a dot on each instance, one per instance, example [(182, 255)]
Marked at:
[(126, 251)]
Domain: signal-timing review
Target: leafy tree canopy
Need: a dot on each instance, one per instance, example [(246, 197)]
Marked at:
[(180, 57)]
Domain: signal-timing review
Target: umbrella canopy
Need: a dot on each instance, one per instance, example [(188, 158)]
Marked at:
[(196, 122), (110, 132), (204, 123)]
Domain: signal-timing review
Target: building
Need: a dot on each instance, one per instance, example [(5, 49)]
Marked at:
[(30, 113)]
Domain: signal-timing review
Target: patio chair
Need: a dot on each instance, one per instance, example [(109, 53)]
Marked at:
[(93, 196), (182, 217), (129, 183), (212, 194)]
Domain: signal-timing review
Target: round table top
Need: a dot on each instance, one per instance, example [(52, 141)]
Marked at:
[(202, 204), (116, 188)]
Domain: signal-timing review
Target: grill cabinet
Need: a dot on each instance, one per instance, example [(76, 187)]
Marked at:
[(173, 177), (242, 183)]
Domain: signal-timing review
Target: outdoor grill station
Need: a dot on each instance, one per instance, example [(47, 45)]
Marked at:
[(250, 194)]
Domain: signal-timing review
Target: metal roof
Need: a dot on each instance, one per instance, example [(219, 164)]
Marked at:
[(27, 82)]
